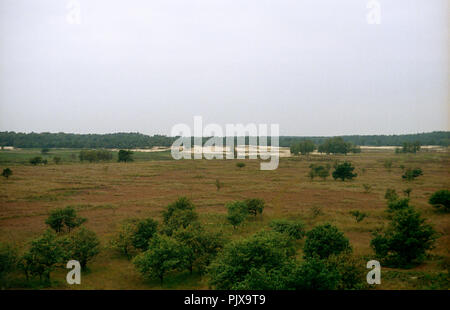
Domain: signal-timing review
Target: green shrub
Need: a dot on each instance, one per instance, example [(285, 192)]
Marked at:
[(398, 204), (178, 214), (123, 240), (125, 156), (267, 251), (8, 261), (359, 216), (36, 160), (294, 229), (325, 240), (255, 206), (344, 171), (412, 174), (406, 240), (7, 173), (441, 200), (240, 165)]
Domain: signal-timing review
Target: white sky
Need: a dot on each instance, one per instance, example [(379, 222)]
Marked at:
[(315, 67)]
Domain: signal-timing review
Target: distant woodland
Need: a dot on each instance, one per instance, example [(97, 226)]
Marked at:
[(137, 140)]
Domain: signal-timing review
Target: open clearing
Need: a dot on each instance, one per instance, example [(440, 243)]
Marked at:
[(108, 193)]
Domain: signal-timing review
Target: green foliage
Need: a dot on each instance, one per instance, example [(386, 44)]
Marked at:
[(36, 160), (406, 240), (7, 173), (45, 253), (145, 230), (266, 251), (56, 159), (178, 214), (399, 204), (8, 261), (325, 240), (67, 217), (125, 156), (390, 194), (303, 147), (240, 165), (293, 229), (351, 271), (83, 246), (314, 274), (335, 145), (45, 151), (123, 240), (344, 171), (95, 155), (359, 216), (237, 213), (411, 174), (255, 206), (319, 171), (202, 246), (164, 254), (441, 200)]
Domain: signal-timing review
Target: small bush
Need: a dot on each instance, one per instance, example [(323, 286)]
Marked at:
[(255, 206), (240, 165), (36, 160), (7, 173), (441, 200), (294, 229), (359, 216), (398, 204), (237, 213), (344, 171), (412, 174), (324, 240), (125, 156)]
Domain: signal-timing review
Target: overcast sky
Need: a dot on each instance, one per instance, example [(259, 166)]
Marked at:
[(314, 67)]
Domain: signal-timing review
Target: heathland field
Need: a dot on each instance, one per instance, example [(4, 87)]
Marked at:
[(107, 193)]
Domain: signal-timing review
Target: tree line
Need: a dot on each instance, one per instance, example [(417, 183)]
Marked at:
[(138, 140)]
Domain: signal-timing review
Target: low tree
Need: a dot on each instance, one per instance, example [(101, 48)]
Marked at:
[(324, 240), (145, 230), (178, 214), (123, 240), (8, 261), (202, 246), (335, 145), (237, 213), (265, 252), (344, 171), (293, 229), (45, 253), (165, 254), (67, 217), (441, 200), (56, 159), (319, 171), (399, 204), (406, 240), (7, 173), (407, 192), (83, 246), (255, 206), (36, 160), (314, 274), (125, 156), (412, 174)]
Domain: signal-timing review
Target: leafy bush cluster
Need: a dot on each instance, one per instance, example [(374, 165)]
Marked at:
[(95, 155)]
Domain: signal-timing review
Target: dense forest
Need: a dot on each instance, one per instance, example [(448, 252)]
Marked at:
[(137, 140)]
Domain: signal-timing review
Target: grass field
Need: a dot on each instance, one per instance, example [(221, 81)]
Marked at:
[(108, 193)]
